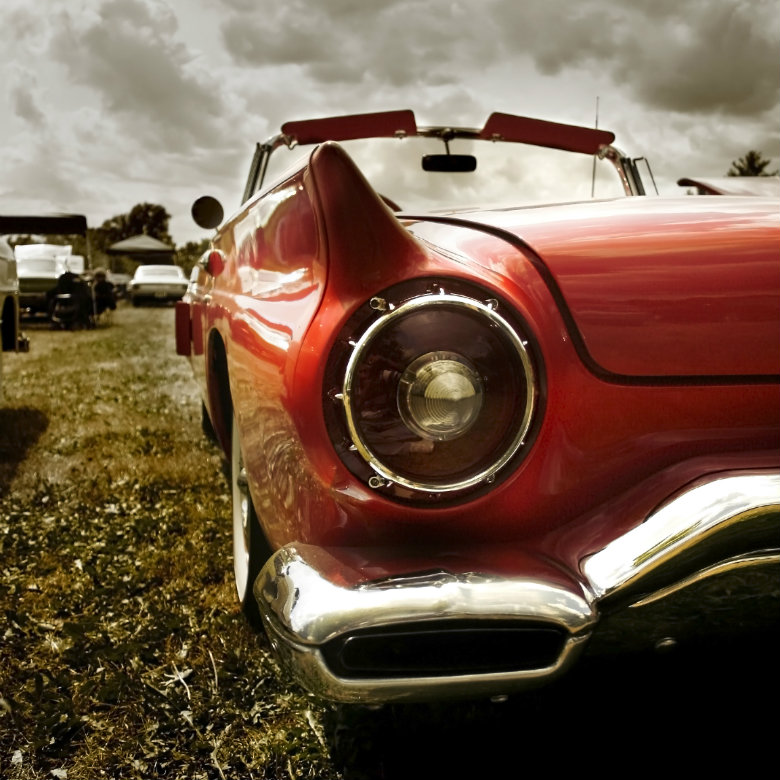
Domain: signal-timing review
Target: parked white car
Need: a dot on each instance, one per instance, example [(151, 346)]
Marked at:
[(157, 283)]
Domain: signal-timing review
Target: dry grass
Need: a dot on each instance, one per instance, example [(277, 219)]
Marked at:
[(123, 653)]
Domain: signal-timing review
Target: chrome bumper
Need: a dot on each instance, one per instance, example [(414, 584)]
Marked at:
[(438, 635)]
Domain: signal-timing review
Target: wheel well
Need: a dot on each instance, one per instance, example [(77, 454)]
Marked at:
[(220, 401)]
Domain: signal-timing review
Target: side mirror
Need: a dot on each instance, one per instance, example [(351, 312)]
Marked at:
[(207, 212), (449, 163)]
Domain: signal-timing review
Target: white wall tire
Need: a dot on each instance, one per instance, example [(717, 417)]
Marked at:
[(250, 549)]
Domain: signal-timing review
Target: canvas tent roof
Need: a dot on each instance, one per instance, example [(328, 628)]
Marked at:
[(142, 248)]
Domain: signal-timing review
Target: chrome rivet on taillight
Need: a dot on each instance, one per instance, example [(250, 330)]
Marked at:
[(378, 304), (492, 304), (377, 482)]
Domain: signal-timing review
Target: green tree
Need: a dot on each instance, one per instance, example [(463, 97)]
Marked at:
[(149, 219), (752, 164)]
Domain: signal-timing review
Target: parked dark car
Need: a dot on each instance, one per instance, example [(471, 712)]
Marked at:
[(39, 265), (11, 337)]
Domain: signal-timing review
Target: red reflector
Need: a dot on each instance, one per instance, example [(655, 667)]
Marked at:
[(216, 262), (183, 329)]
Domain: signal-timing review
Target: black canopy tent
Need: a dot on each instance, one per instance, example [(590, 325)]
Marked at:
[(45, 224)]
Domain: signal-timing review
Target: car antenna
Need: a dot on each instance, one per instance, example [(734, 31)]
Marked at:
[(593, 174)]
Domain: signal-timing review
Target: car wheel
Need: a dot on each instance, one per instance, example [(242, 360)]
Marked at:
[(250, 548), (206, 425)]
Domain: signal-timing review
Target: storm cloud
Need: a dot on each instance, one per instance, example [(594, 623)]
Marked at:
[(113, 102)]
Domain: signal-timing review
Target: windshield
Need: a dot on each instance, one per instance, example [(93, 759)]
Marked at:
[(506, 173)]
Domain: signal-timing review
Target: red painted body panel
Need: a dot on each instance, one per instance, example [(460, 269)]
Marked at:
[(686, 287), (652, 331), (302, 259)]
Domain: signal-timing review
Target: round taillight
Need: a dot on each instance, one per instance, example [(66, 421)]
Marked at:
[(438, 394)]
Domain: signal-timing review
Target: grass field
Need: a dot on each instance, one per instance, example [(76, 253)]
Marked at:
[(123, 652)]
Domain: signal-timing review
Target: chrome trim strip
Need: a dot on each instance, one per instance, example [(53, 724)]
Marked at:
[(757, 560), (698, 529), (392, 314), (626, 170)]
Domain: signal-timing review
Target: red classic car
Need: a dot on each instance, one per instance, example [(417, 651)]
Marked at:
[(467, 443)]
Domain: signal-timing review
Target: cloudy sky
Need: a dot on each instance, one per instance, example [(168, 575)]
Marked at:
[(108, 103)]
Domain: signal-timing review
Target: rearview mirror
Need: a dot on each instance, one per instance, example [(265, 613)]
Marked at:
[(449, 163)]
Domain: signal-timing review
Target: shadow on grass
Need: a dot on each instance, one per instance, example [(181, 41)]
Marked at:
[(20, 429), (609, 709)]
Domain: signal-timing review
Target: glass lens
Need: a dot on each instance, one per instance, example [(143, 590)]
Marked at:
[(432, 419), (439, 396)]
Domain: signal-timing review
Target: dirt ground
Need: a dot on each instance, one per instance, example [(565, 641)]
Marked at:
[(123, 653)]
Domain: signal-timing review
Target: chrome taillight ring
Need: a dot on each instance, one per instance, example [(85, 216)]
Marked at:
[(389, 316)]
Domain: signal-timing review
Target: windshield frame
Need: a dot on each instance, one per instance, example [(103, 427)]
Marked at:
[(499, 128)]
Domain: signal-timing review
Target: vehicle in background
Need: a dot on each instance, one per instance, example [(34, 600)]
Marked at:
[(39, 266), (768, 186), (194, 275), (121, 282), (71, 302), (11, 337), (157, 284)]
